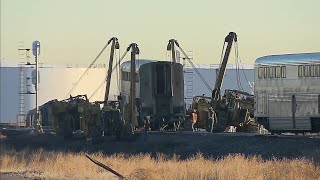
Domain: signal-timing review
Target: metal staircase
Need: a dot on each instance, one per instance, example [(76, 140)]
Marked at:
[(22, 83), (188, 79), (23, 55)]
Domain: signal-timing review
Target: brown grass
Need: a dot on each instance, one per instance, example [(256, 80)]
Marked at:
[(57, 165)]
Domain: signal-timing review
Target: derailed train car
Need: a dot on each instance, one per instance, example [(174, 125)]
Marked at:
[(160, 92), (287, 92)]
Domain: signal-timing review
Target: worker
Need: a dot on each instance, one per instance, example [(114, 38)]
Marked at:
[(237, 100), (237, 96), (212, 117), (146, 125), (194, 119)]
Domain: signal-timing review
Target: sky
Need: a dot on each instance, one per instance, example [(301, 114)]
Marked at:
[(74, 31)]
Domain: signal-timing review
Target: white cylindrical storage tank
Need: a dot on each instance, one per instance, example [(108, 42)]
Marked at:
[(17, 95)]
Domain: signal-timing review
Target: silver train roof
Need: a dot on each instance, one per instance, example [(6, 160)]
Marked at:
[(301, 58), (139, 62)]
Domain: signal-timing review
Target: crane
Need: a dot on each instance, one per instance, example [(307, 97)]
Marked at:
[(231, 109), (114, 45), (113, 118), (235, 108), (216, 97)]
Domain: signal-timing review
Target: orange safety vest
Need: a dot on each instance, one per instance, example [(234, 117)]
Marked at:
[(194, 117)]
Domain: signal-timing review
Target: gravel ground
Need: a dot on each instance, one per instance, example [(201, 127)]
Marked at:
[(184, 144)]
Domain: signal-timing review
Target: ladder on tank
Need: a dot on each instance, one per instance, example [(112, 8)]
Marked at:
[(188, 75), (21, 114), (188, 79), (23, 54)]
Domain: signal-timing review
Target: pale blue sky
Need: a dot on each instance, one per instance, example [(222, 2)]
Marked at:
[(74, 31)]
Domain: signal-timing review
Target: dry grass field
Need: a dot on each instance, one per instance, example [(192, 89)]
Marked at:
[(41, 164)]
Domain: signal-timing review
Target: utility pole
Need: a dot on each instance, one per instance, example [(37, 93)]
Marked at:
[(36, 53)]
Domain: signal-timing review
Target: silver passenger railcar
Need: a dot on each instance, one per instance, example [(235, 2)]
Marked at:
[(125, 77), (160, 92), (287, 92)]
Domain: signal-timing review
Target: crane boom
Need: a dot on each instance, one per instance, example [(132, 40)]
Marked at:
[(217, 88), (114, 45), (132, 101)]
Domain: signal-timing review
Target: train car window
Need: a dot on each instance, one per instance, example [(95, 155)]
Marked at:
[(272, 72), (266, 72), (312, 70), (127, 77), (306, 71), (318, 70), (300, 71), (260, 72), (278, 72), (124, 76), (283, 72), (319, 104)]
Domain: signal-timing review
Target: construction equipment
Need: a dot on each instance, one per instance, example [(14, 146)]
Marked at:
[(216, 96), (112, 121), (234, 108), (117, 118), (77, 114), (72, 115)]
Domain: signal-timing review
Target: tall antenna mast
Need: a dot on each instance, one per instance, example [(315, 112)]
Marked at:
[(36, 53)]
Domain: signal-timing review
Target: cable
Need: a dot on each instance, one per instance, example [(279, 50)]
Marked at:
[(237, 69), (196, 70), (111, 72), (245, 76), (74, 86), (101, 90), (120, 75)]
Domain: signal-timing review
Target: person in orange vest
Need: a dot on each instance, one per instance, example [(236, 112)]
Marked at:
[(194, 119)]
